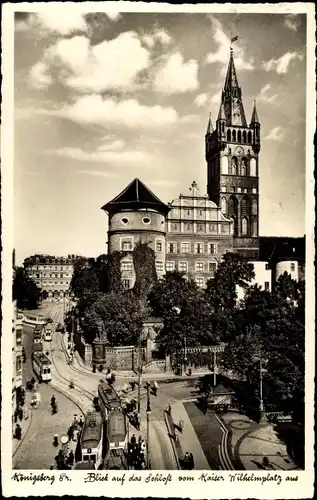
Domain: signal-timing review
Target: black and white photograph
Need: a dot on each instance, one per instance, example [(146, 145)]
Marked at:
[(157, 186)]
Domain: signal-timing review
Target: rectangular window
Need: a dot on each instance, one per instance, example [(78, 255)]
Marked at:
[(185, 248), (212, 228), (199, 248), (212, 248), (171, 248), (212, 267), (126, 266), (126, 244), (200, 282), (292, 266), (200, 227), (126, 284), (267, 267), (170, 266), (182, 266), (199, 266), (267, 286), (158, 245), (159, 266)]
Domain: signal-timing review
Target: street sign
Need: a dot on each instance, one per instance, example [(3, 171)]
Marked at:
[(64, 439)]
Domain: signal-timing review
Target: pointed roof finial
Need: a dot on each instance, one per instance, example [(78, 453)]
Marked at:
[(254, 118), (210, 128), (221, 114)]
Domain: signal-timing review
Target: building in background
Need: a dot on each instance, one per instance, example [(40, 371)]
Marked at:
[(17, 355), (232, 155), (197, 236), (51, 274), (135, 216)]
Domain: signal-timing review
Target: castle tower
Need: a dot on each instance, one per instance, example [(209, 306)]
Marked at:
[(136, 215), (232, 155)]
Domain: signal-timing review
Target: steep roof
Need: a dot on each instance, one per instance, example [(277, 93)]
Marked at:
[(135, 196), (209, 126), (254, 118), (232, 97)]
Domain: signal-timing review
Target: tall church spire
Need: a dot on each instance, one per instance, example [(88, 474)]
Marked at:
[(232, 97)]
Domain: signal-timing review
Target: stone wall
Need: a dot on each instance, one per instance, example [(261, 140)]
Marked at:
[(123, 358), (84, 349)]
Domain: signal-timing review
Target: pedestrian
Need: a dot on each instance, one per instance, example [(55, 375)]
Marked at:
[(133, 440), (70, 459), (132, 385), (191, 461), (70, 432), (20, 414), (143, 446), (81, 422), (140, 440), (16, 414), (186, 460), (18, 432), (55, 440), (169, 409), (75, 435)]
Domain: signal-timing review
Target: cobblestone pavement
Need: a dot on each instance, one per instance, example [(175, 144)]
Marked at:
[(37, 450)]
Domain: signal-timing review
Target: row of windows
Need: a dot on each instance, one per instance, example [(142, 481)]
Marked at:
[(53, 283), (186, 247), (233, 189), (211, 228), (233, 167), (171, 266), (57, 268), (201, 282), (52, 275), (230, 206)]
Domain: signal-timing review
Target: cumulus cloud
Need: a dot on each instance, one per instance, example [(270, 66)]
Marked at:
[(276, 134), (221, 55), (291, 22), (126, 157), (63, 23), (282, 64), (265, 94), (175, 75), (189, 119), (39, 75), (158, 36), (201, 100), (113, 15), (112, 64), (129, 113)]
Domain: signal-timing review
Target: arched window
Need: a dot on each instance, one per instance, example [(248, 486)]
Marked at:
[(253, 167), (239, 135), (233, 136), (244, 137), (234, 166), (232, 206), (224, 205), (245, 206), (254, 227), (244, 226), (243, 169), (229, 135), (254, 207), (224, 165), (249, 137)]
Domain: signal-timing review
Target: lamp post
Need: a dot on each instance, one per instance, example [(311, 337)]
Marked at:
[(261, 407), (72, 330), (148, 412)]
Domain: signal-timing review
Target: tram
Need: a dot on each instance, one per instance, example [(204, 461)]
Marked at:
[(108, 399), (42, 367), (37, 333), (32, 319), (37, 347), (91, 439), (48, 331), (117, 440)]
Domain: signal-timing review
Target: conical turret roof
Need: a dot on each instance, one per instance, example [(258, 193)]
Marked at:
[(254, 118), (210, 128), (135, 196)]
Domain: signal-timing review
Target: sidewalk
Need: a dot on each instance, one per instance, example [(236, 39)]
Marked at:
[(25, 423), (250, 442), (187, 440)]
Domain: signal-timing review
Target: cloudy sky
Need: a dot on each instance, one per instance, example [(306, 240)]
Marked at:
[(103, 98)]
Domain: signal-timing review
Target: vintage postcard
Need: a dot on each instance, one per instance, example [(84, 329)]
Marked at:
[(157, 222)]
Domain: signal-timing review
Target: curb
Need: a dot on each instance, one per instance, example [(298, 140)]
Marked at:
[(24, 435), (172, 441)]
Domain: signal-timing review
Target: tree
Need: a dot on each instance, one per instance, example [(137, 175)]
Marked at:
[(25, 291), (184, 311), (118, 315), (145, 270)]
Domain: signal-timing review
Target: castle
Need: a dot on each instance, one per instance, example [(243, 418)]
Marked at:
[(192, 233)]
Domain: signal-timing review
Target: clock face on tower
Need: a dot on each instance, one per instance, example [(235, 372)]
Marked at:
[(239, 150)]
